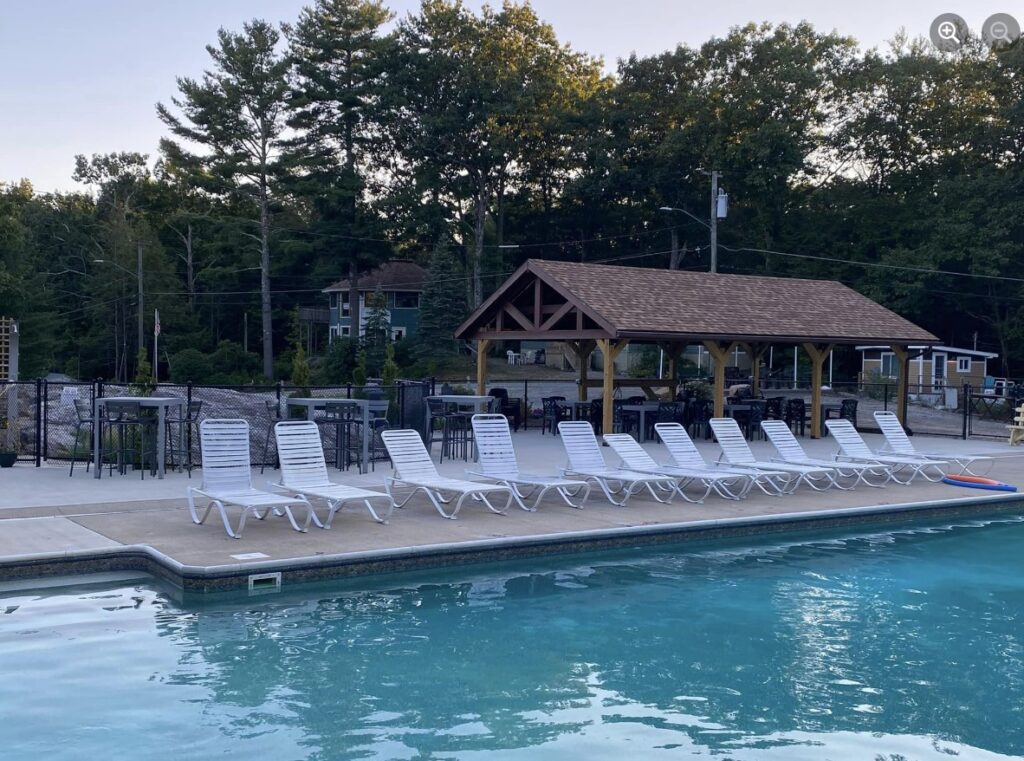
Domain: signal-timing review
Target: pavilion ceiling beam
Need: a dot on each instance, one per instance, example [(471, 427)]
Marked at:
[(538, 302)]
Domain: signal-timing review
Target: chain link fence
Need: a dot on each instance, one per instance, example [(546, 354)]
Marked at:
[(43, 421)]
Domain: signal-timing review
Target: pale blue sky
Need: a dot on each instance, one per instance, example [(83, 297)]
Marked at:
[(83, 77)]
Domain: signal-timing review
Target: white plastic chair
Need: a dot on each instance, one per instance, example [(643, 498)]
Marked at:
[(585, 460), (897, 442), (790, 451), (635, 457), (415, 469), (304, 472), (853, 448), (497, 462), (227, 479), (737, 452)]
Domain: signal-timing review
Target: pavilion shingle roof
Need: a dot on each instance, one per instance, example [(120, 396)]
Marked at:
[(396, 275), (637, 301)]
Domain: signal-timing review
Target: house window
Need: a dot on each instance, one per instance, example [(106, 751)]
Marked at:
[(397, 333), (334, 300), (407, 299), (344, 304), (345, 330), (963, 364), (889, 366)]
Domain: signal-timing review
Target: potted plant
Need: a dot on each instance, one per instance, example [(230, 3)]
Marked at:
[(8, 453)]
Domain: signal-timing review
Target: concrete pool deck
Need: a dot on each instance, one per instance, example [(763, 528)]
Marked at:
[(47, 517)]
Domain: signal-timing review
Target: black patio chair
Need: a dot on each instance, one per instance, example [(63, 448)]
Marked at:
[(848, 411), (510, 408), (554, 413), (85, 419), (773, 408), (796, 417)]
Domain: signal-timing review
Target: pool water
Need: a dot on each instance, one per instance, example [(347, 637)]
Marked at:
[(893, 646)]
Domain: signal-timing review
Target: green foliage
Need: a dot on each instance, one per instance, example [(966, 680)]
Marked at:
[(143, 383), (376, 338), (356, 142), (300, 371), (646, 365), (359, 373), (339, 362), (389, 373), (700, 390), (190, 365), (442, 306)]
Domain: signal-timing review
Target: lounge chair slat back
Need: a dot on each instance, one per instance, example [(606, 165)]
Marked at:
[(581, 447), (224, 445), (783, 440), (633, 456), (895, 436), (301, 453), (497, 455), (730, 439), (849, 440), (680, 446), (408, 454)]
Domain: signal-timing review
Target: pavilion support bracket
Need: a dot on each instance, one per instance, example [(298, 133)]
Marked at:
[(755, 351), (720, 353), (582, 349), (818, 354)]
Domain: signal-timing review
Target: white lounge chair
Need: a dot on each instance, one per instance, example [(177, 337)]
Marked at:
[(790, 451), (897, 442), (853, 448), (586, 461), (304, 472), (634, 457), (685, 454), (227, 479), (497, 462), (414, 469), (737, 453)]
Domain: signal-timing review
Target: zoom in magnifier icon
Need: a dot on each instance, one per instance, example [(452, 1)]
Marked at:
[(947, 32)]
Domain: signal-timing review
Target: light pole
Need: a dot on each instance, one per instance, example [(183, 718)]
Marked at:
[(719, 210), (138, 279)]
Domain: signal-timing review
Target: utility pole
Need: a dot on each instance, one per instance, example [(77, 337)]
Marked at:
[(714, 219), (138, 272)]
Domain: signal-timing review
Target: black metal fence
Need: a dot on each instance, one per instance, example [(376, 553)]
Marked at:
[(939, 410), (39, 420)]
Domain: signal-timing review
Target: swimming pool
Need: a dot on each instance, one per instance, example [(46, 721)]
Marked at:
[(893, 645)]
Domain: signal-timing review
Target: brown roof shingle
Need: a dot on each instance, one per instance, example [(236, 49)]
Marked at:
[(396, 275), (637, 301)]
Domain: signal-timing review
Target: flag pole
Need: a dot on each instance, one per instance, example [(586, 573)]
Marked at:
[(156, 345)]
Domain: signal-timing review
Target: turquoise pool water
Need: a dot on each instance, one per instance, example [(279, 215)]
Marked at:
[(889, 646)]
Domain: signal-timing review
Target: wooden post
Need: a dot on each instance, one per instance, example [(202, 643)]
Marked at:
[(755, 351), (902, 359), (818, 354), (720, 353), (583, 351), (609, 350), (481, 365), (673, 352)]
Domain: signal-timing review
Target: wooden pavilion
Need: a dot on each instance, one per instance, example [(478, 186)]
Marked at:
[(600, 306)]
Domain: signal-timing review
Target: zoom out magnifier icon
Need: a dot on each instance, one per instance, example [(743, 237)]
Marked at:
[(1000, 30)]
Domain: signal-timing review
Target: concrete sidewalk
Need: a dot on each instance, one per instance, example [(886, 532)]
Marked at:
[(44, 511)]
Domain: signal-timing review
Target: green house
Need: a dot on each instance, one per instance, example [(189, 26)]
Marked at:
[(401, 283)]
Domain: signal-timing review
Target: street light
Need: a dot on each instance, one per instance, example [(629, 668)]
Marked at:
[(138, 276), (719, 210)]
